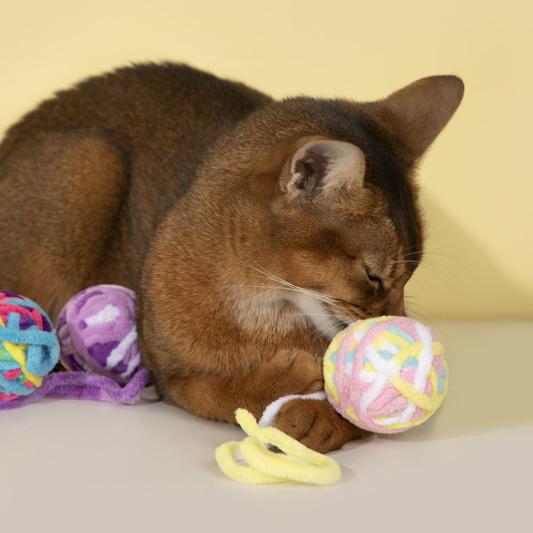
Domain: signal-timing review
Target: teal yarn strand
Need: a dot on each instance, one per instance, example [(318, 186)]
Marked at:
[(25, 330)]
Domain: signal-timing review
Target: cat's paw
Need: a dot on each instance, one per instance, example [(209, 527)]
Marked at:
[(317, 425), (297, 372)]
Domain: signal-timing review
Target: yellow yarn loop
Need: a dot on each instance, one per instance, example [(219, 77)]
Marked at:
[(297, 463)]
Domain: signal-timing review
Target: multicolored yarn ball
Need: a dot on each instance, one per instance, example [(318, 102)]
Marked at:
[(29, 348), (97, 332), (386, 374)]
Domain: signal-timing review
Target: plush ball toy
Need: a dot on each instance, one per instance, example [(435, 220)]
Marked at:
[(97, 332), (28, 346), (98, 342), (386, 374)]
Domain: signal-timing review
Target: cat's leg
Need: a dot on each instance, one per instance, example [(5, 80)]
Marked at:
[(313, 422), (59, 200)]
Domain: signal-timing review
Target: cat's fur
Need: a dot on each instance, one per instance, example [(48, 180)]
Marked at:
[(249, 237)]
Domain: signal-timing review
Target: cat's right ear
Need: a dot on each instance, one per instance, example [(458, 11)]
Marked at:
[(322, 166), (417, 113)]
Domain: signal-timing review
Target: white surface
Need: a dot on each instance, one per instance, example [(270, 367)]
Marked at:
[(78, 466)]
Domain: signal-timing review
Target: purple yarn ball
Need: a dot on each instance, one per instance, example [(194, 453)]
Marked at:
[(97, 332)]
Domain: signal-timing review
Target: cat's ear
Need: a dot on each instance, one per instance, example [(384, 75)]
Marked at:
[(321, 166), (416, 114)]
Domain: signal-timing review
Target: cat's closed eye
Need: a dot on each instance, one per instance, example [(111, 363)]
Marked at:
[(375, 281)]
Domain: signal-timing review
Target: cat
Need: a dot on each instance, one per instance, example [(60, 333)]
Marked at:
[(252, 230)]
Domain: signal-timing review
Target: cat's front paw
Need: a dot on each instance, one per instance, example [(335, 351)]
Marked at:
[(316, 424), (292, 372)]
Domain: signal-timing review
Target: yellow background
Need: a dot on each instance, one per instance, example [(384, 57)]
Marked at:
[(477, 179)]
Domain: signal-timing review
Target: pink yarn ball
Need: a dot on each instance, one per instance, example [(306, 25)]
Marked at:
[(386, 374)]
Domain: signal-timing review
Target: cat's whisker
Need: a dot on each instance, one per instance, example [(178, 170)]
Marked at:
[(433, 252), (330, 331), (282, 284), (278, 288), (329, 315), (282, 288), (405, 262), (424, 256), (269, 275), (271, 287), (414, 314), (430, 263), (433, 268), (411, 252)]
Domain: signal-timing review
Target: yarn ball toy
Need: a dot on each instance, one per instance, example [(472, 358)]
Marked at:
[(386, 374), (96, 341), (29, 348), (97, 332)]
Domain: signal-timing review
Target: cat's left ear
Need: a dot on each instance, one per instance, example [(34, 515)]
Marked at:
[(416, 114), (320, 166)]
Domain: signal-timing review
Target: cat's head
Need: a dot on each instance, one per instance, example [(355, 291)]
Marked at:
[(334, 191)]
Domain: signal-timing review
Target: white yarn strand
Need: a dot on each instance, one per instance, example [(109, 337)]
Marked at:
[(425, 361), (271, 411)]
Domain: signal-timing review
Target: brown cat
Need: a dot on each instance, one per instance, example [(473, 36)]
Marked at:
[(252, 230)]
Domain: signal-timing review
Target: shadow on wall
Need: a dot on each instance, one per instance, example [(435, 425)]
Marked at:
[(491, 365), (491, 362), (463, 279)]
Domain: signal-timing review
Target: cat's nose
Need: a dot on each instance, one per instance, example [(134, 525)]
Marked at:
[(395, 303)]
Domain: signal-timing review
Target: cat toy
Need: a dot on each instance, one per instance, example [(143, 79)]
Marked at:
[(385, 375), (96, 341), (297, 463)]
